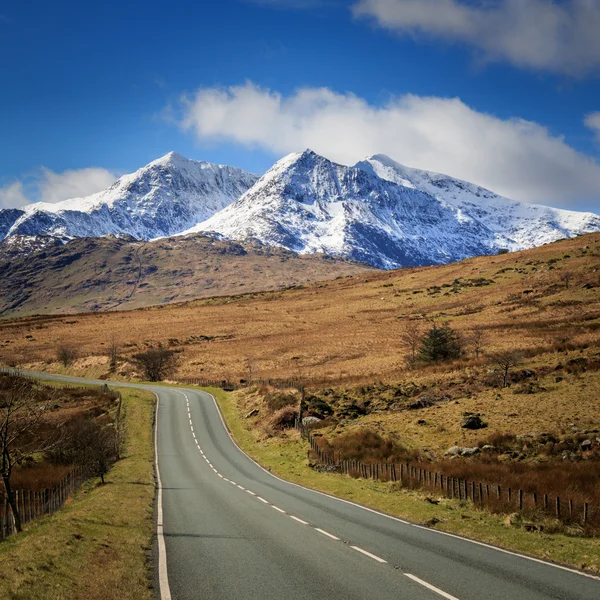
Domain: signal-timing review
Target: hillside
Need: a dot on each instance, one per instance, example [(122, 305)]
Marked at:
[(108, 273), (348, 328)]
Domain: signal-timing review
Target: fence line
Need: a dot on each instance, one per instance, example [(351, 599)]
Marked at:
[(479, 492), (33, 504)]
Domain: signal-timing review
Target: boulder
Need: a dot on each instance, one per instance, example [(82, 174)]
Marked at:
[(473, 422), (470, 451), (308, 421), (453, 451)]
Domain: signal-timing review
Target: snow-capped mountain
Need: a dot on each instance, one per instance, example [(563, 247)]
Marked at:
[(517, 225), (386, 215), (165, 197)]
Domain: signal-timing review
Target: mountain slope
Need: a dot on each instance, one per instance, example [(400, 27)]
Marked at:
[(518, 225), (165, 197), (309, 204), (119, 272)]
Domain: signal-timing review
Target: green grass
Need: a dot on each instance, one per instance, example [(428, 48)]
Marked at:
[(97, 547), (287, 457)]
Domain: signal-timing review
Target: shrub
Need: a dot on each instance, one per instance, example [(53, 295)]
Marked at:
[(156, 364), (440, 343)]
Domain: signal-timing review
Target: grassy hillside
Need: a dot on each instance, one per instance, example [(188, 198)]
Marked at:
[(349, 329), (100, 274)]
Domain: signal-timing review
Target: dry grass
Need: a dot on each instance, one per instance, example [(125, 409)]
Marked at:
[(343, 330)]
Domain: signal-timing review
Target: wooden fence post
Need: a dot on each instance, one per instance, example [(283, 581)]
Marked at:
[(558, 507), (520, 499), (585, 513)]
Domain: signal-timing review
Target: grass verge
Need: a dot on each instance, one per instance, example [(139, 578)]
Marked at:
[(97, 547), (287, 457)]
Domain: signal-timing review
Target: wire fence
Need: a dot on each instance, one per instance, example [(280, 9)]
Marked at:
[(32, 504), (491, 495)]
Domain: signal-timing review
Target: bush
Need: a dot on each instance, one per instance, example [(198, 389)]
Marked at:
[(66, 355), (440, 343), (367, 445), (156, 364)]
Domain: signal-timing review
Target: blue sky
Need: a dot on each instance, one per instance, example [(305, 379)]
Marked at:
[(93, 90)]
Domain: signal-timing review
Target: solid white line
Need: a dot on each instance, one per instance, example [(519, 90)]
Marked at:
[(431, 587), (299, 520), (163, 576), (263, 500), (368, 554), (329, 535), (278, 509), (382, 514)]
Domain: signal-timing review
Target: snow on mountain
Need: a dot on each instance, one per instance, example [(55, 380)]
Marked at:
[(517, 225), (308, 204), (386, 215), (163, 198)]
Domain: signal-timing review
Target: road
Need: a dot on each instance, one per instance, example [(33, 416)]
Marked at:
[(231, 530)]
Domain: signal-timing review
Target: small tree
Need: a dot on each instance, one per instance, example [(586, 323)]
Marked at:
[(505, 361), (156, 364), (411, 339), (113, 355), (478, 338), (21, 410), (88, 444), (440, 343), (566, 277), (66, 354)]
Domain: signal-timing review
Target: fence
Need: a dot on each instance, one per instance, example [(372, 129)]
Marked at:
[(36, 503), (482, 493)]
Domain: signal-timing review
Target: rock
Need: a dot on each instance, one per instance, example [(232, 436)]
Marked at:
[(558, 379), (586, 445), (488, 448), (252, 413), (308, 421), (421, 422), (473, 422), (431, 500), (453, 451), (470, 451)]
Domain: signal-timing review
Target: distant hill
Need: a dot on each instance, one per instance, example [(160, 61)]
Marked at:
[(41, 275)]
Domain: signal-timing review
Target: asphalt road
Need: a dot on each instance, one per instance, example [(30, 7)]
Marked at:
[(231, 530)]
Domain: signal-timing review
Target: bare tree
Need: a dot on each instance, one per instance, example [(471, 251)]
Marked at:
[(88, 444), (566, 277), (21, 410), (411, 339), (156, 364), (505, 361), (113, 354), (66, 354), (478, 339)]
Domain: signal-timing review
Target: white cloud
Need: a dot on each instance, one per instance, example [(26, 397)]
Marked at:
[(592, 121), (517, 158), (48, 186), (537, 34), (12, 195)]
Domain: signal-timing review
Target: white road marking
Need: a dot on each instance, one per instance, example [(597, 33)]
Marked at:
[(329, 535), (368, 554), (299, 520), (278, 509), (263, 500), (252, 493), (163, 576), (219, 474), (431, 587), (242, 488)]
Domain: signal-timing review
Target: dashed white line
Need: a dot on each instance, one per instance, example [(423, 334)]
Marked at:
[(278, 509), (241, 488), (252, 493), (329, 535), (263, 500), (377, 558), (431, 587), (299, 520)]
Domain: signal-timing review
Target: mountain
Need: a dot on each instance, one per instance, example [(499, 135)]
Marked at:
[(373, 212), (165, 197), (44, 275), (517, 225)]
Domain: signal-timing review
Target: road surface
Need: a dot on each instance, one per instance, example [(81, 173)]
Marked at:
[(229, 530)]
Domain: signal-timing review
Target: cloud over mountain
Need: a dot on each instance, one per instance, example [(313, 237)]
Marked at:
[(517, 158)]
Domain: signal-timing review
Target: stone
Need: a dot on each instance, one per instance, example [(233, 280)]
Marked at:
[(488, 448), (308, 421), (470, 451), (252, 413), (473, 422), (453, 451)]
